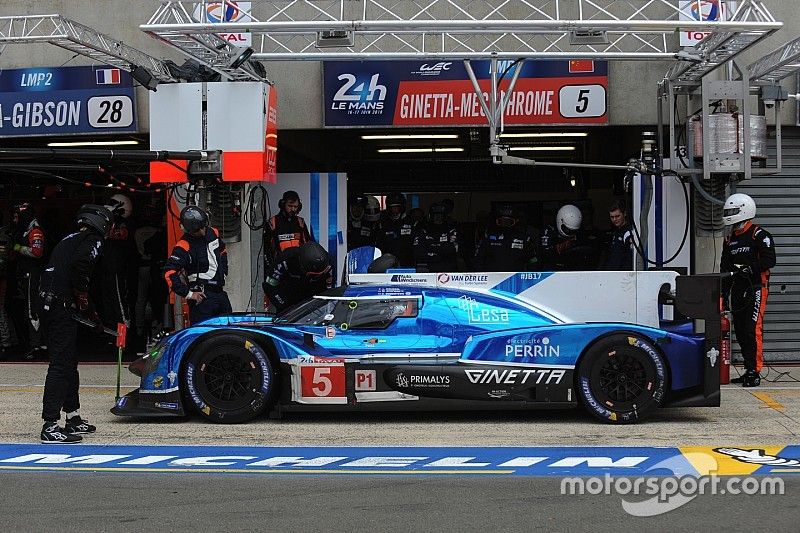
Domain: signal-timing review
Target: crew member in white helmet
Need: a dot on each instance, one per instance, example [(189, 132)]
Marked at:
[(748, 252)]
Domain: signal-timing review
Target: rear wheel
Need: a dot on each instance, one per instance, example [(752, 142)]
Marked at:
[(622, 379), (229, 379)]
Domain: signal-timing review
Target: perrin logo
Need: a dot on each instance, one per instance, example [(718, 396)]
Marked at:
[(355, 96)]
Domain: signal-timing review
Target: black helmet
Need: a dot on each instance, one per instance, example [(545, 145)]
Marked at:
[(95, 217), (193, 218), (356, 204), (314, 260), (505, 216), (357, 200), (437, 213), (396, 198), (382, 264)]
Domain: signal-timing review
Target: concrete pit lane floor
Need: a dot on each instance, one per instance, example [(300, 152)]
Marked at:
[(91, 498), (769, 414)]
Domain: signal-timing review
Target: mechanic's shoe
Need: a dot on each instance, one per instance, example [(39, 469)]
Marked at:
[(78, 426), (751, 379), (738, 380), (53, 434)]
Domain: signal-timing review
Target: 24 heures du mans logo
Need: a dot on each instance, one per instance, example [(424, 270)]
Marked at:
[(358, 96)]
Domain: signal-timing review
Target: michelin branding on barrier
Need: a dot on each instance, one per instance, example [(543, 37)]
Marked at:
[(568, 297)]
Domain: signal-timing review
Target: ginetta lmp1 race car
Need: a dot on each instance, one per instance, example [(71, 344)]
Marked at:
[(620, 344)]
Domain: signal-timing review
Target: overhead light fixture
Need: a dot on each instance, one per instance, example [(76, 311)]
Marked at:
[(243, 56), (580, 37), (562, 134), (144, 77), (335, 38), (405, 137), (418, 150), (541, 148), (93, 143)]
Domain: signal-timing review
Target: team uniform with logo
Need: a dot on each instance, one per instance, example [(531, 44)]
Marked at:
[(285, 232), (505, 249), (396, 237), (200, 264), (436, 247), (751, 252), (620, 249)]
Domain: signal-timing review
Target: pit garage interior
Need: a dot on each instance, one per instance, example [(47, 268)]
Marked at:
[(468, 172)]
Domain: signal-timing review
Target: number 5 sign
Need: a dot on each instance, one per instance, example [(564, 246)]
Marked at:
[(582, 101), (322, 383)]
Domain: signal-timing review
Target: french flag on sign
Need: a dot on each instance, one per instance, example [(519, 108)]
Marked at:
[(107, 76), (581, 65)]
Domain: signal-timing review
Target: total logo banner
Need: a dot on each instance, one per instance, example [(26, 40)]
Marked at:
[(519, 461), (440, 93)]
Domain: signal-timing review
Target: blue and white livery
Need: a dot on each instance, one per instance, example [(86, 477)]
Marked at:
[(621, 344)]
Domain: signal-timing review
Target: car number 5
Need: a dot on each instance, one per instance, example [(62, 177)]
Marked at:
[(321, 383)]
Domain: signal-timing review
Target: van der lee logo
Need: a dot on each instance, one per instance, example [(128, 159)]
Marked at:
[(359, 97)]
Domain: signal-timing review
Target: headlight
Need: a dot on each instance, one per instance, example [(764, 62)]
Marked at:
[(149, 362)]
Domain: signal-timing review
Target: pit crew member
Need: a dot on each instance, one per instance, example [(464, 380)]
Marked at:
[(300, 273)]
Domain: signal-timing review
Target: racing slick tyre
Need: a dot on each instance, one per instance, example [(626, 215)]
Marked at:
[(622, 379), (229, 379)]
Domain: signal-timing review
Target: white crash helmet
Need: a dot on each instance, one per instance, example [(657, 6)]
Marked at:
[(118, 200), (568, 220), (738, 208), (373, 210)]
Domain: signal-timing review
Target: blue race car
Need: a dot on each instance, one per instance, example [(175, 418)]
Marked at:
[(621, 344)]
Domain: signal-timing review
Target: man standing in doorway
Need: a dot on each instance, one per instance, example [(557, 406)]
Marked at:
[(287, 229), (619, 255)]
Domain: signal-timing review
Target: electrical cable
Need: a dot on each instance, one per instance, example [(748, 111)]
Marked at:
[(640, 247)]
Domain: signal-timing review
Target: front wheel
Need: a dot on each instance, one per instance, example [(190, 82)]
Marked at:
[(229, 379), (622, 379)]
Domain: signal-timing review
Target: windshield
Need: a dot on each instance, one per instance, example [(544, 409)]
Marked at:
[(311, 312)]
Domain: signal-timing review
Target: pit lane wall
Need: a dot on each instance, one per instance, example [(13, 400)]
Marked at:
[(566, 297)]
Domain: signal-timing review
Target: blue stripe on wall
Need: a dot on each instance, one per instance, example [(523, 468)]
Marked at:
[(333, 222), (315, 204)]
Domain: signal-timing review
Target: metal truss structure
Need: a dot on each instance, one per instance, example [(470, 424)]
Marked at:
[(777, 65), (83, 40), (478, 29), (206, 48)]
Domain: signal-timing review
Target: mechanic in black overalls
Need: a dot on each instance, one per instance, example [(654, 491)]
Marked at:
[(197, 266), (749, 251), (300, 273), (359, 229), (64, 291), (287, 229), (117, 262), (395, 232), (436, 242), (508, 245), (28, 246), (619, 255)]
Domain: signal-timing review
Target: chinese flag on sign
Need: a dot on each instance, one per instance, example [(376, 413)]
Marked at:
[(581, 65)]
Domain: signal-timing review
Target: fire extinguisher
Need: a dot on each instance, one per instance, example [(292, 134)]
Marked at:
[(725, 347)]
